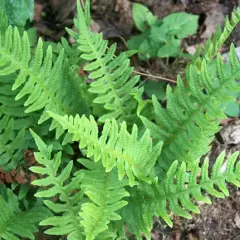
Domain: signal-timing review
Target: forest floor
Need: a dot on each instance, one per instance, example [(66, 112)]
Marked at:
[(220, 221)]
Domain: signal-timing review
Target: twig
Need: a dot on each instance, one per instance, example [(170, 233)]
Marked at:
[(156, 77)]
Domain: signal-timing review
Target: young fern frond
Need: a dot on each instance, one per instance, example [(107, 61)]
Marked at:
[(105, 193), (192, 116), (113, 81), (45, 85), (16, 224), (116, 147), (177, 191), (68, 193), (11, 144)]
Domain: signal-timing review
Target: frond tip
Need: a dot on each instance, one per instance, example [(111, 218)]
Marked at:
[(116, 147)]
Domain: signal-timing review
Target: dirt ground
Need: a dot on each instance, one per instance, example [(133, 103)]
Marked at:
[(220, 221)]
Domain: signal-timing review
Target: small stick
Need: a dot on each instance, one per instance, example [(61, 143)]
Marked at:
[(156, 77)]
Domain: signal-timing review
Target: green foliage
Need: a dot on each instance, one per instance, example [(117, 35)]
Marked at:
[(36, 74), (115, 146), (193, 112), (160, 38), (16, 224), (177, 191), (113, 82), (105, 193), (155, 88), (136, 158), (232, 109), (18, 11), (11, 143), (58, 186)]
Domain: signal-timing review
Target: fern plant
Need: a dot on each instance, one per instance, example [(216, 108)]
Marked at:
[(117, 167)]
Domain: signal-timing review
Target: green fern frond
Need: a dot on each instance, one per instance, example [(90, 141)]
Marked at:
[(16, 224), (192, 116), (45, 84), (177, 191), (105, 193), (69, 194), (113, 82), (116, 147), (11, 144)]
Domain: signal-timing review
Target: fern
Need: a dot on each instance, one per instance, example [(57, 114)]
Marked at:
[(116, 147), (177, 191), (11, 144), (131, 171), (16, 224), (193, 114), (104, 190), (69, 204), (37, 76), (113, 81), (105, 193)]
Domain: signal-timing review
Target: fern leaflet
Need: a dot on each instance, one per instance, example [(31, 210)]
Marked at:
[(11, 144), (45, 84)]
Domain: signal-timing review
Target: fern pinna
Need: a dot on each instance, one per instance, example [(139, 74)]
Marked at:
[(130, 164)]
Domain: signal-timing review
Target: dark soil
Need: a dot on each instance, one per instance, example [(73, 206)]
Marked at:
[(221, 220)]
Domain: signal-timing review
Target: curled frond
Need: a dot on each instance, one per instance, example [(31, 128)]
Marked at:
[(115, 147)]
